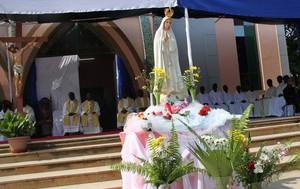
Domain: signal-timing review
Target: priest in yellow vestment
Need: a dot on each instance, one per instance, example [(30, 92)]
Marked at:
[(125, 107), (142, 102), (90, 115), (71, 115)]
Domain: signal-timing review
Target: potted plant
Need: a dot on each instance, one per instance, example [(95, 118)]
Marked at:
[(17, 129)]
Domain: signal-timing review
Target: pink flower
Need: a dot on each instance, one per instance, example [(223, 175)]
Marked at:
[(175, 109), (184, 105)]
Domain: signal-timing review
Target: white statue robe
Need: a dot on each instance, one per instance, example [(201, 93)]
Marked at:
[(166, 58)]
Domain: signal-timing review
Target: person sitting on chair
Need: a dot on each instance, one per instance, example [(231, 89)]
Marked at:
[(71, 115), (90, 115), (125, 106), (141, 101)]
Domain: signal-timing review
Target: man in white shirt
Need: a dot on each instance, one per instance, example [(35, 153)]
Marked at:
[(203, 97), (272, 104), (229, 101), (71, 115), (125, 107), (280, 87), (216, 98), (239, 98), (90, 116)]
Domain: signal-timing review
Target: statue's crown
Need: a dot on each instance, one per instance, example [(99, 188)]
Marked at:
[(169, 12)]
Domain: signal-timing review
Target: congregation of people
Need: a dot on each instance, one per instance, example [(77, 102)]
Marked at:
[(279, 101), (75, 117)]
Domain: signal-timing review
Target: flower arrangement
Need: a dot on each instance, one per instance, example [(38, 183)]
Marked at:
[(160, 77), (219, 155), (262, 165), (148, 79), (191, 79), (165, 163)]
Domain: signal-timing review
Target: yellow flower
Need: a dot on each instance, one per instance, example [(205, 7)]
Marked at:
[(157, 142), (193, 67), (187, 71), (158, 70), (196, 75)]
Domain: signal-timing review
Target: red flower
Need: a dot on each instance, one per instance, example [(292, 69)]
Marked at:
[(153, 113), (204, 110), (168, 116), (168, 107), (250, 165)]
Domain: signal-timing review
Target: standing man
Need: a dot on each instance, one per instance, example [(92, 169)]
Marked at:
[(71, 115), (90, 115)]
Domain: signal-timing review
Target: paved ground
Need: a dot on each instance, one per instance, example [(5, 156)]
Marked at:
[(288, 180)]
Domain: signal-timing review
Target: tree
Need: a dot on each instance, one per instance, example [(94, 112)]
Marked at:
[(293, 50)]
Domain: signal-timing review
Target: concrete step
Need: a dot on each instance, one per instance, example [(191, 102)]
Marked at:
[(111, 184), (280, 128), (274, 138), (60, 152), (295, 147), (65, 142), (287, 180), (84, 161), (59, 178), (270, 121)]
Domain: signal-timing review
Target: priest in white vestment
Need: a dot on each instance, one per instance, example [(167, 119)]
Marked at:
[(216, 98), (239, 98), (166, 58), (253, 97), (125, 107), (233, 108), (90, 116), (141, 102), (203, 97), (272, 105), (71, 115)]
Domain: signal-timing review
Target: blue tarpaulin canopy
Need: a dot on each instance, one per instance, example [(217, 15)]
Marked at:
[(96, 10)]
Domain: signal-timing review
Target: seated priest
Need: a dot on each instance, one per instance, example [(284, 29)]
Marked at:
[(71, 115), (90, 116), (125, 107), (141, 101)]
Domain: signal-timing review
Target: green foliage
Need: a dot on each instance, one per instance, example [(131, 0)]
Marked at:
[(219, 155), (165, 165), (15, 125), (241, 123)]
